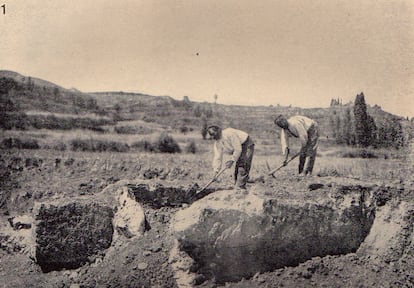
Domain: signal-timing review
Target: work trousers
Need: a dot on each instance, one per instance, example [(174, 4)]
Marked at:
[(243, 164), (309, 150)]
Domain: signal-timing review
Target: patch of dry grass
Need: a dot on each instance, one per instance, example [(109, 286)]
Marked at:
[(330, 160), (68, 115)]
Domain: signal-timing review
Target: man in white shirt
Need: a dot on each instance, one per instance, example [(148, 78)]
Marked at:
[(306, 130), (236, 143)]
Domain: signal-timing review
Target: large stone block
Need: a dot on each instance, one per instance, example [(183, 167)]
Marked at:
[(229, 235), (73, 231), (68, 236)]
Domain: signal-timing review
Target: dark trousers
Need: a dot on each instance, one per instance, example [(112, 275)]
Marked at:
[(309, 150), (243, 164)]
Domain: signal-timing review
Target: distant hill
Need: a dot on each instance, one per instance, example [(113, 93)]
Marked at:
[(178, 114), (23, 93), (26, 80)]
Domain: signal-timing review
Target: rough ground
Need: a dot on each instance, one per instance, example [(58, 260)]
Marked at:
[(143, 261)]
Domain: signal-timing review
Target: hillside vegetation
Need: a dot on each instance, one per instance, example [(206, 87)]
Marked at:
[(23, 98)]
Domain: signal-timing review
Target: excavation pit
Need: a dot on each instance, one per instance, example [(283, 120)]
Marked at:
[(164, 195)]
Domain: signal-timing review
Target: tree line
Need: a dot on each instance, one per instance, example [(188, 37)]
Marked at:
[(356, 127)]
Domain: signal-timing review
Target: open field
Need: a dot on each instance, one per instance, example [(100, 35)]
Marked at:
[(38, 175)]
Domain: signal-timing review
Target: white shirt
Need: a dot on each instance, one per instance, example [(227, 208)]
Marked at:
[(298, 127), (230, 143)]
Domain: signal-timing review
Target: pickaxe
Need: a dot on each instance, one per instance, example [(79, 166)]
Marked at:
[(190, 194), (212, 180), (272, 172)]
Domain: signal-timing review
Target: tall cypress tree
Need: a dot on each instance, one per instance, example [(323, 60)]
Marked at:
[(372, 131), (333, 126), (362, 131), (347, 126), (339, 132), (397, 134)]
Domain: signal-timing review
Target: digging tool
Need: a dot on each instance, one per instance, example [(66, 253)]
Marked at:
[(268, 166), (191, 193), (212, 180), (272, 172)]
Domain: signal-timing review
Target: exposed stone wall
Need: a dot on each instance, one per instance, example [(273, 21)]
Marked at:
[(393, 227), (70, 232), (71, 235)]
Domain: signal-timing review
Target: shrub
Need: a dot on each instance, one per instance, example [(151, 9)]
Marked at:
[(124, 130), (167, 144), (94, 145), (98, 129), (59, 146), (10, 120), (10, 143), (23, 121), (184, 129), (144, 145), (81, 145), (191, 147), (148, 119), (133, 130), (363, 153)]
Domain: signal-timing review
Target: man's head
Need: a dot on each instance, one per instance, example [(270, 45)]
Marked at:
[(282, 122), (214, 131)]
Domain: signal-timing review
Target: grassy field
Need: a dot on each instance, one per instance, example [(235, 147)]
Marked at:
[(344, 159), (54, 168)]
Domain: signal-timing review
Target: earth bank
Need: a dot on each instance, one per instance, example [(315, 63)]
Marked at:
[(144, 259)]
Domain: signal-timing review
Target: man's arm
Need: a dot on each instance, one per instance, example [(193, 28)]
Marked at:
[(217, 159), (284, 141)]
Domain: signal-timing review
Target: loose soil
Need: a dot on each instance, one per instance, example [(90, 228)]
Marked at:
[(29, 177)]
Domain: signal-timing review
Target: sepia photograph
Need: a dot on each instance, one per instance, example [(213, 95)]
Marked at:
[(184, 143)]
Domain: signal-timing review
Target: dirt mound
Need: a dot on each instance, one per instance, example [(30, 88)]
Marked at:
[(142, 260)]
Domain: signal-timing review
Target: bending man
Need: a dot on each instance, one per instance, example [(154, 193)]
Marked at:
[(236, 143), (306, 130)]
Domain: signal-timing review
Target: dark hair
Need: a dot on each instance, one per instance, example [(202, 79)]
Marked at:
[(281, 121), (213, 129)]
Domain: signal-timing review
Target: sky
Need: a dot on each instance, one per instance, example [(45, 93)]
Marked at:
[(247, 52)]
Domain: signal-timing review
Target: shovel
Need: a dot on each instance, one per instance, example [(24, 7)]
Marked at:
[(272, 172)]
